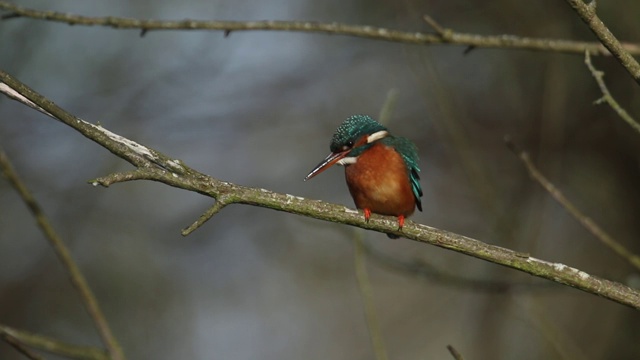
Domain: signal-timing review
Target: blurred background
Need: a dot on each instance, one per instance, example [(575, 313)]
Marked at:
[(259, 109)]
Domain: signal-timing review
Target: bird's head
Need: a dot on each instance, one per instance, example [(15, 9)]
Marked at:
[(351, 138)]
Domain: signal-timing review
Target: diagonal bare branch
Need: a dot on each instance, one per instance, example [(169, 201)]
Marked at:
[(583, 219), (163, 169)]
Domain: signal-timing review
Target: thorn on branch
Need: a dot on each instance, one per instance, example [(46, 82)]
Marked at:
[(227, 33), (143, 32), (456, 355), (469, 49)]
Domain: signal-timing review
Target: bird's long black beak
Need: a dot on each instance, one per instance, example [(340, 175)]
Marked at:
[(326, 163)]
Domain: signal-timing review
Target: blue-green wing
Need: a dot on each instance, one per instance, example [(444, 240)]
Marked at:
[(409, 153)]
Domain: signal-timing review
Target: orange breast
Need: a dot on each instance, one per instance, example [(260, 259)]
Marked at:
[(379, 181)]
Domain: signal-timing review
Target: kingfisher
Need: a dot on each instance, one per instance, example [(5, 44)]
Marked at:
[(381, 170)]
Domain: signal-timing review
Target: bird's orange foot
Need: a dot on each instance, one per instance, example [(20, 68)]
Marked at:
[(367, 215), (400, 222)]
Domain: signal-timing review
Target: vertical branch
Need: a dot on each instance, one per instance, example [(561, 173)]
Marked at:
[(362, 276), (389, 105), (546, 326), (366, 291), (77, 279)]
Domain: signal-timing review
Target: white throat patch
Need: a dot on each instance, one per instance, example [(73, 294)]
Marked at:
[(377, 136), (347, 161)]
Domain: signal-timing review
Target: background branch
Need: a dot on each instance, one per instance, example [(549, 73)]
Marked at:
[(587, 13), (366, 291), (16, 344), (54, 346), (360, 259), (445, 36), (77, 278), (420, 268), (584, 220), (156, 167)]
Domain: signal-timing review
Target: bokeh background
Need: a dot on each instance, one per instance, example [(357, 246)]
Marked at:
[(259, 108)]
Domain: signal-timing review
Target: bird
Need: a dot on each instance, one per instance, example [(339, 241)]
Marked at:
[(381, 170)]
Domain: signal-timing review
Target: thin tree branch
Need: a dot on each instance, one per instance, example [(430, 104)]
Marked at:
[(388, 107), (54, 346), (217, 206), (16, 344), (540, 318), (361, 31), (115, 178), (584, 220), (587, 13), (606, 95), (76, 276), (176, 174)]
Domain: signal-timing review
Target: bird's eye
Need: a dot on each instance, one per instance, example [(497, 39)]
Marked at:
[(347, 146)]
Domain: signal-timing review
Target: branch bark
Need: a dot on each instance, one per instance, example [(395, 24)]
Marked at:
[(442, 35), (587, 13), (155, 166)]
